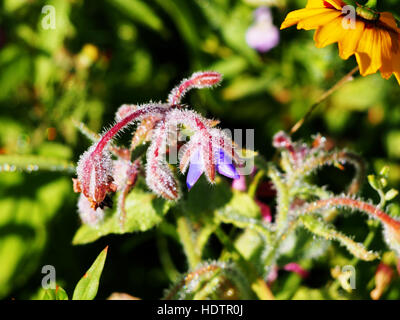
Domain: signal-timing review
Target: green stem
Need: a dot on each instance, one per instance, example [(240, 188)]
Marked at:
[(374, 225), (165, 258), (254, 184), (283, 198), (324, 96), (187, 239)]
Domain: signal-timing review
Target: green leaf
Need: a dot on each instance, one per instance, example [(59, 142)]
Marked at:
[(54, 294), (241, 204), (221, 198), (87, 287), (144, 210)]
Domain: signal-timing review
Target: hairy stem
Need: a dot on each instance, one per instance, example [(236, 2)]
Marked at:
[(107, 137), (354, 204)]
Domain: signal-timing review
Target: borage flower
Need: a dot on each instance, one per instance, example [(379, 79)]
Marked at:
[(196, 167), (374, 38), (98, 174)]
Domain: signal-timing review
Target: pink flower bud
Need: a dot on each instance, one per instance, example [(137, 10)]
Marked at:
[(95, 176), (95, 165), (383, 276), (265, 211), (159, 177), (281, 140), (295, 267)]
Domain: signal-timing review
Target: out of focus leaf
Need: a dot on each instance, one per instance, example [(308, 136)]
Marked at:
[(139, 11), (348, 96), (23, 233), (54, 294), (14, 66), (144, 210), (184, 19)]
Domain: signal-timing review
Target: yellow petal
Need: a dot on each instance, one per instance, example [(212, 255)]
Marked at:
[(349, 43), (319, 20), (397, 74), (387, 56), (396, 65), (388, 19), (296, 16), (329, 33), (315, 4), (363, 61), (370, 45)]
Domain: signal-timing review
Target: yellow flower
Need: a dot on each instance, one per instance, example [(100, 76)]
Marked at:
[(374, 38)]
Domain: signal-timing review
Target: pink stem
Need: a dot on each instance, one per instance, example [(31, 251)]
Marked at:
[(202, 79), (124, 122)]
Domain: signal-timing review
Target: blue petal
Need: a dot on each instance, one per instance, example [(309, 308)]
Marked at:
[(196, 169), (225, 166)]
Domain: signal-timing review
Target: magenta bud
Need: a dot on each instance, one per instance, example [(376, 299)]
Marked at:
[(95, 176)]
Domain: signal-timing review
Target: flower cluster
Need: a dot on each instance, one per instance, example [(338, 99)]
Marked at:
[(208, 150)]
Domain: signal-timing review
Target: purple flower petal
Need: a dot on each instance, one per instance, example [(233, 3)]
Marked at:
[(263, 14), (262, 35), (225, 166), (196, 169)]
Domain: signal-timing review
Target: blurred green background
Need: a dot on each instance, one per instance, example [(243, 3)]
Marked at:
[(105, 53)]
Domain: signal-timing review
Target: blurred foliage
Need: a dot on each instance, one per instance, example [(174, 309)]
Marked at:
[(103, 54)]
